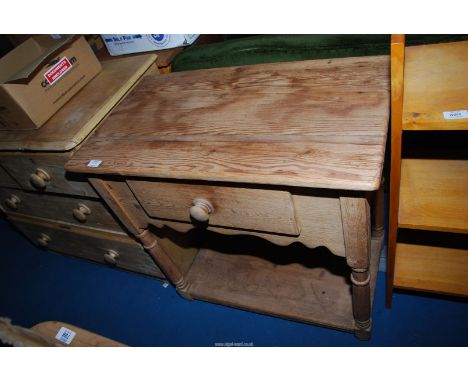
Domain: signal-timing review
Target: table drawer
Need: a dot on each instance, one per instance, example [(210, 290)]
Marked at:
[(46, 173), (117, 250), (86, 212), (6, 180), (223, 206)]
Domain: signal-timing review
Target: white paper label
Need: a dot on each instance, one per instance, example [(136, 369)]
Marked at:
[(65, 335), (94, 163), (456, 114)]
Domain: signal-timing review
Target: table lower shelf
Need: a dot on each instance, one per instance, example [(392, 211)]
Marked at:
[(297, 284)]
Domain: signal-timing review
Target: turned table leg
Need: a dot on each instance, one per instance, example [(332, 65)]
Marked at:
[(355, 214), (173, 274), (361, 302), (113, 193)]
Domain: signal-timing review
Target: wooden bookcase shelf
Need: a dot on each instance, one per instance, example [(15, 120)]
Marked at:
[(429, 169), (435, 81), (433, 193), (430, 268)]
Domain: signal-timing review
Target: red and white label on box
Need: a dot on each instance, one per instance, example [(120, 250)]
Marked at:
[(58, 70)]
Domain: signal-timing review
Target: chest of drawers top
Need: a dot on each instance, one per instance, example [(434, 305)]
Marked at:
[(319, 124), (34, 159), (66, 129)]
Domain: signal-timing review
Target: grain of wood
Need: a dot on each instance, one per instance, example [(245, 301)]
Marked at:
[(179, 248), (87, 243), (115, 195), (52, 144), (21, 165), (319, 294), (433, 195), (15, 335), (316, 123), (297, 164), (109, 191), (6, 180), (355, 214), (436, 80), (318, 217), (251, 209), (312, 124), (83, 337), (44, 334), (58, 208), (79, 117), (433, 269)]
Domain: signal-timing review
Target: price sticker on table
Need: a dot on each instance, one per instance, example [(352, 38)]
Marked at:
[(65, 335), (94, 163)]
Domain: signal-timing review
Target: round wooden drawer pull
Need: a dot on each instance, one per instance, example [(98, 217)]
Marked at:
[(39, 179), (201, 210), (43, 240), (111, 257), (12, 202), (81, 212)]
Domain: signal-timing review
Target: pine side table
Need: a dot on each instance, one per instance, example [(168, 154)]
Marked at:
[(265, 177)]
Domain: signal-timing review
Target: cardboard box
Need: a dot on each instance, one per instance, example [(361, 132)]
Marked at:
[(39, 76), (118, 44)]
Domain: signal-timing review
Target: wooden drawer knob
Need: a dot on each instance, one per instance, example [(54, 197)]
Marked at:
[(43, 240), (111, 257), (39, 179), (81, 212), (201, 210), (12, 202)]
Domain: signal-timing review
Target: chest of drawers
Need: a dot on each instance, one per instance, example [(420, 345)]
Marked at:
[(264, 178), (61, 211)]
